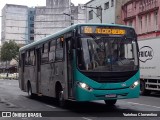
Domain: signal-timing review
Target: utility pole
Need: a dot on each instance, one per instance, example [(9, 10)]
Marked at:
[(97, 8), (72, 18)]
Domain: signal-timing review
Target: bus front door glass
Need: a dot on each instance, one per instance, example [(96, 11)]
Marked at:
[(69, 67), (107, 54)]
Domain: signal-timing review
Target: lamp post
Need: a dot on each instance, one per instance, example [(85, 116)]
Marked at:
[(72, 18)]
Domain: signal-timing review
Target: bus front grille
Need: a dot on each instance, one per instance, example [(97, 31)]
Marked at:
[(110, 77), (109, 80)]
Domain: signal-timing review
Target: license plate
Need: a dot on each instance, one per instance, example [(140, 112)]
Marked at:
[(111, 96)]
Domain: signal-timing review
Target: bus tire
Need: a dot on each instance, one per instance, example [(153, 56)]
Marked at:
[(30, 94), (143, 90), (110, 102), (60, 97)]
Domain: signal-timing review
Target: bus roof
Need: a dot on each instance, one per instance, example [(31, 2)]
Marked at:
[(68, 29)]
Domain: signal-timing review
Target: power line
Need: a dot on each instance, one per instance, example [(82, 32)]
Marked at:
[(97, 8)]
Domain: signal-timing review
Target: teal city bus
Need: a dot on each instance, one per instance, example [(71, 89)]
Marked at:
[(83, 62)]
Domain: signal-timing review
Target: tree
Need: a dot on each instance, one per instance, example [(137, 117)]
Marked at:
[(9, 51)]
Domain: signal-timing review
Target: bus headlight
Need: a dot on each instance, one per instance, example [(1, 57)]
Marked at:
[(84, 86), (136, 83)]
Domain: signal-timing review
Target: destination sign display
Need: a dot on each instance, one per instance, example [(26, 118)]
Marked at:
[(102, 30)]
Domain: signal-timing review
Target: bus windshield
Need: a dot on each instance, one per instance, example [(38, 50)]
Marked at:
[(100, 54)]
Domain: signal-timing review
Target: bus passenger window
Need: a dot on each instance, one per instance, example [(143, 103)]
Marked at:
[(59, 55), (44, 58), (26, 57), (60, 43), (59, 50), (52, 45), (32, 57), (52, 50), (29, 57)]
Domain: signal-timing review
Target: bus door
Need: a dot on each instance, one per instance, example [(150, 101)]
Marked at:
[(69, 68), (22, 70), (38, 70)]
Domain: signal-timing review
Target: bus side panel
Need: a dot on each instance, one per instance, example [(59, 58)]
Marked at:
[(45, 79), (58, 77), (29, 76), (51, 84), (50, 74)]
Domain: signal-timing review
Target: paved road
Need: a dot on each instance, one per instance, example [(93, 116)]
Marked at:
[(13, 99)]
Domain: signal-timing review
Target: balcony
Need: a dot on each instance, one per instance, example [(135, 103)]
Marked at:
[(148, 6), (130, 13)]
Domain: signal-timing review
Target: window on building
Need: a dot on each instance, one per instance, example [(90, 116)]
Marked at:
[(90, 14), (31, 12), (44, 58), (31, 25), (32, 18), (32, 31), (31, 38), (156, 20), (149, 20), (106, 5), (112, 3), (151, 1), (130, 23), (99, 11), (140, 24), (140, 5), (146, 20)]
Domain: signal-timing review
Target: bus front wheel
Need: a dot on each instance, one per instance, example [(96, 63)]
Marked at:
[(110, 102)]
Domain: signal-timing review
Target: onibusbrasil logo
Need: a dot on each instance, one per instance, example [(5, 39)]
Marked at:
[(146, 53)]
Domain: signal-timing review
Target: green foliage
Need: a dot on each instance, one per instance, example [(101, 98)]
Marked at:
[(9, 51)]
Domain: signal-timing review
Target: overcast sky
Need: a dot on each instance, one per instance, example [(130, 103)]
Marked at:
[(31, 3)]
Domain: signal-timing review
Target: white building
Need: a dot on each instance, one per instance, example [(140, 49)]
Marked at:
[(55, 16), (51, 18), (105, 11), (78, 14), (25, 25), (15, 24)]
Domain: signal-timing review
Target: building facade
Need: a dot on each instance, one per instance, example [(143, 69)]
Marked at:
[(55, 16), (143, 15), (15, 24), (25, 25), (104, 11), (78, 14), (50, 18)]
